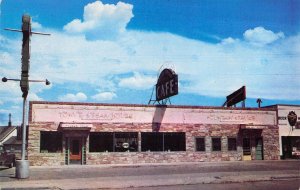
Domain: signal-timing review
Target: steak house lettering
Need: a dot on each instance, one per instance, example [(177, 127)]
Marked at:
[(94, 115)]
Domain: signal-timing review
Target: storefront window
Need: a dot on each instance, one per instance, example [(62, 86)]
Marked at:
[(174, 141), (113, 142), (50, 142), (126, 142), (200, 144), (216, 144), (295, 142), (291, 147), (101, 142), (154, 141), (231, 144)]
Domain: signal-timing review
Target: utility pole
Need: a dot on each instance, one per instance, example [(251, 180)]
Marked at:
[(22, 166)]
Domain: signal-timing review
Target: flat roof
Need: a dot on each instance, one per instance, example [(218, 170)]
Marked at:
[(146, 105), (276, 105)]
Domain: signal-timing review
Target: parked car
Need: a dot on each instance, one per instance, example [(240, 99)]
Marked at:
[(7, 159)]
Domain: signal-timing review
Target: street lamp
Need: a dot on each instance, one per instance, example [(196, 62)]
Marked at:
[(22, 166), (46, 81)]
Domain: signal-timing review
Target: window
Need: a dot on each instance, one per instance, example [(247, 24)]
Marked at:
[(113, 142), (101, 142), (51, 141), (152, 141), (163, 141), (231, 144), (200, 144), (216, 144), (174, 141), (126, 142)]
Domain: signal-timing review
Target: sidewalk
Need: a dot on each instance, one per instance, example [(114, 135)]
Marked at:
[(133, 179)]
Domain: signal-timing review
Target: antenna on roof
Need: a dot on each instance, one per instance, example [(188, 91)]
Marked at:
[(9, 120)]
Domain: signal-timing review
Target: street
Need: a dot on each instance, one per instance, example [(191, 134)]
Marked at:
[(204, 175), (293, 184)]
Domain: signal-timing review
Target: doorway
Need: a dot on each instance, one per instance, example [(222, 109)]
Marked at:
[(75, 147), (259, 149), (75, 151), (246, 149)]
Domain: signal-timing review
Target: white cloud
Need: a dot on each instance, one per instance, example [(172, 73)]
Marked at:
[(36, 25), (6, 58), (102, 21), (73, 97), (34, 97), (138, 81), (261, 36), (104, 96), (203, 68), (229, 41)]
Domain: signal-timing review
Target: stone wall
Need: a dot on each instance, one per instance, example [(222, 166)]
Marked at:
[(35, 157), (269, 135), (193, 121)]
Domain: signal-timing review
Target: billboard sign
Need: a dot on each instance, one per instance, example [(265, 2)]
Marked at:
[(167, 84), (236, 96)]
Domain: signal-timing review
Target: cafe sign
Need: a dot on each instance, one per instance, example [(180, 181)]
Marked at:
[(167, 84)]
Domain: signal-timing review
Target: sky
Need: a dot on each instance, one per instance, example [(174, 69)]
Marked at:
[(113, 51)]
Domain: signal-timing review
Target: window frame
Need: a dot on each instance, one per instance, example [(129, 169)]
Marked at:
[(165, 138), (95, 149), (235, 149), (196, 144), (59, 144), (111, 146), (128, 136), (212, 144)]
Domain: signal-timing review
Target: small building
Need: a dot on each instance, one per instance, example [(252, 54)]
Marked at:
[(11, 139), (288, 117), (13, 145), (62, 133), (6, 132)]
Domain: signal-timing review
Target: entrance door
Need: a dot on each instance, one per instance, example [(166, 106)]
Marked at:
[(259, 149), (75, 150), (246, 149)]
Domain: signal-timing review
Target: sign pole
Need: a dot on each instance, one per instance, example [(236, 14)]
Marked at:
[(23, 129), (22, 166)]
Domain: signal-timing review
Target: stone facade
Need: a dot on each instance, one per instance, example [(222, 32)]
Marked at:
[(206, 122)]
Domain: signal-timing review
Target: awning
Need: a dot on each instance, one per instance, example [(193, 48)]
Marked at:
[(252, 127), (75, 126)]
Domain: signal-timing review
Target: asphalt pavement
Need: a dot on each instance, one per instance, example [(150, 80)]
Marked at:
[(151, 175)]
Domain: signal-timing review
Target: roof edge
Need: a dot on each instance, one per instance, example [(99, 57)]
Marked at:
[(145, 105)]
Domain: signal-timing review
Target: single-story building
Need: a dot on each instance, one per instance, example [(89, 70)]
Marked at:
[(62, 133), (288, 117)]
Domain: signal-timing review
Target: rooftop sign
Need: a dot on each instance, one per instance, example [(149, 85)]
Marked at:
[(236, 96), (167, 84)]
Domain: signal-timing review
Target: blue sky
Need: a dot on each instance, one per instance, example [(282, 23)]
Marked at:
[(111, 51)]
